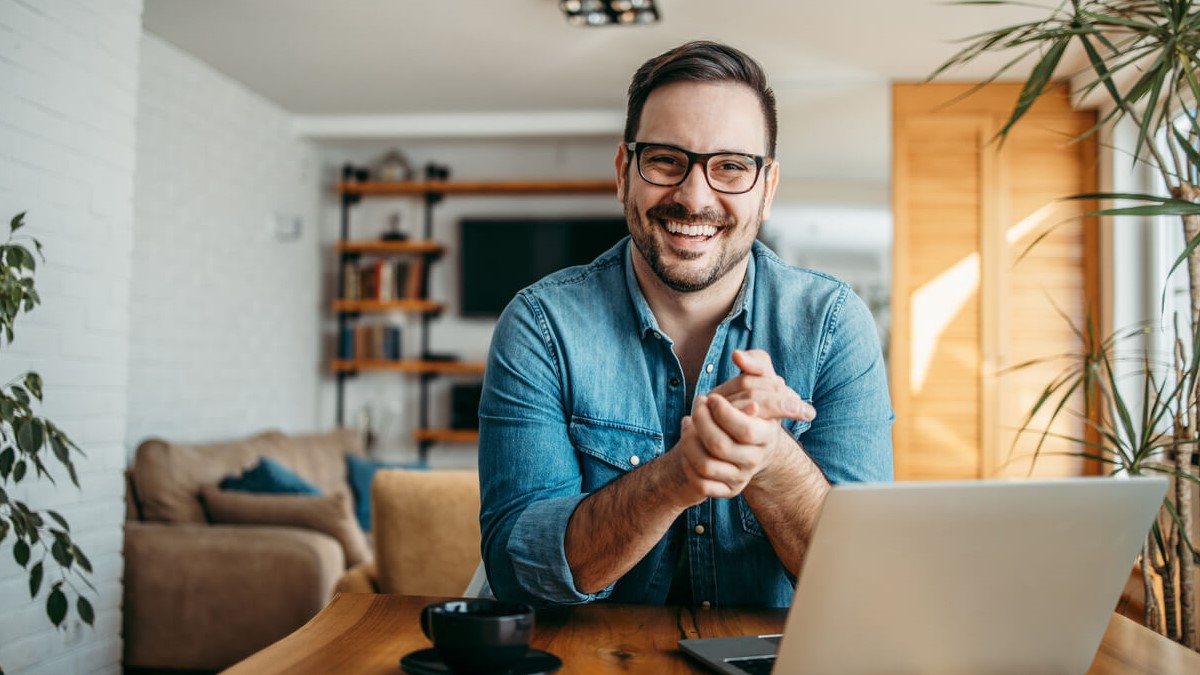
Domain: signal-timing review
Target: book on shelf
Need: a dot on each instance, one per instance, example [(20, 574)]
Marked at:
[(381, 279), (370, 342)]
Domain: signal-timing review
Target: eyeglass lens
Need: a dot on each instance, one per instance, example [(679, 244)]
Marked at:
[(667, 166)]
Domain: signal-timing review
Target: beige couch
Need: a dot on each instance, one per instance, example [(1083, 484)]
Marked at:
[(212, 576), (425, 526)]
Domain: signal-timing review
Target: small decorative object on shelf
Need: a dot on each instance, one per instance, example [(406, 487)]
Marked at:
[(435, 171), (393, 166), (393, 231), (354, 173)]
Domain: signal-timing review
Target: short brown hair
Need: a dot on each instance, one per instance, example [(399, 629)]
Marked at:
[(700, 61)]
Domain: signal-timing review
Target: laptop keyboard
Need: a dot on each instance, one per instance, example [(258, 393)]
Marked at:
[(757, 665)]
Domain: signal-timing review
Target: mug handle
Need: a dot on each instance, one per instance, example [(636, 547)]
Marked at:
[(425, 627)]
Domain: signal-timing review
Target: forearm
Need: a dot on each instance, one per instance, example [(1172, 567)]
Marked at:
[(787, 501), (615, 527)]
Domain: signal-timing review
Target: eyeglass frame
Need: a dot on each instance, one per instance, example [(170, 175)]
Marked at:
[(636, 147)]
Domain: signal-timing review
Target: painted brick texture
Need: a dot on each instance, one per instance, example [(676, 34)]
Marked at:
[(69, 77), (224, 311)]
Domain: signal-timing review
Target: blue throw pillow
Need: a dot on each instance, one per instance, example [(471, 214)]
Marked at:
[(271, 477), (361, 472)]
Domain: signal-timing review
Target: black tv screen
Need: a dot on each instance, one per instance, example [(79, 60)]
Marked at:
[(500, 256)]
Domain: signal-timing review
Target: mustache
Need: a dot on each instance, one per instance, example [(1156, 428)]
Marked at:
[(679, 214)]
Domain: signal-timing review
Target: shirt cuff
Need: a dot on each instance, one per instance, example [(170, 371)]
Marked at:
[(537, 549)]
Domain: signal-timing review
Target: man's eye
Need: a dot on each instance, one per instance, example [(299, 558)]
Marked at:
[(731, 166), (662, 160)]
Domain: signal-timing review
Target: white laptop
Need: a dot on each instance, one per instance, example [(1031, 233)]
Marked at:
[(956, 577)]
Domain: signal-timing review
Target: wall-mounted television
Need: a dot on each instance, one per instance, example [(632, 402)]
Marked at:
[(500, 256)]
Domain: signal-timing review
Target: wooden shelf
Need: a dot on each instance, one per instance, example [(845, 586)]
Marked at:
[(408, 305), (446, 435), (415, 247), (409, 366), (477, 187)]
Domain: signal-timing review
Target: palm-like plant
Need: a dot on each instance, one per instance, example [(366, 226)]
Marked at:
[(1142, 57)]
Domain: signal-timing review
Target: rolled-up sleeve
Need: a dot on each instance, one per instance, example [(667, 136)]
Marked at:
[(530, 477)]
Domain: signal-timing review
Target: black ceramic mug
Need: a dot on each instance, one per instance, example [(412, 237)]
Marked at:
[(478, 636)]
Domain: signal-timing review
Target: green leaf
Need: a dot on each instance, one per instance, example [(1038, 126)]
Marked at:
[(82, 559), (17, 222), (60, 449), (21, 552), (59, 519), (85, 610), (7, 458), (33, 382), (35, 579), (19, 471), (29, 434), (3, 529), (61, 554), (56, 605)]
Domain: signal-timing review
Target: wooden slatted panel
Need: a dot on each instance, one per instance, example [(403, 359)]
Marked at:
[(936, 304), (964, 308), (1053, 279)]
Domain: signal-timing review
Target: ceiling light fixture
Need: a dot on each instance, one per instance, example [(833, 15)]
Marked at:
[(609, 12)]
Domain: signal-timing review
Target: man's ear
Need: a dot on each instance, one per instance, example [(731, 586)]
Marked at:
[(622, 171), (770, 182)]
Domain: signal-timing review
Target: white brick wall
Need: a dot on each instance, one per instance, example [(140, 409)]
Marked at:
[(69, 77), (224, 314)]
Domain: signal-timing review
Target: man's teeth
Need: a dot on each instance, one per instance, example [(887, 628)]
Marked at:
[(691, 230)]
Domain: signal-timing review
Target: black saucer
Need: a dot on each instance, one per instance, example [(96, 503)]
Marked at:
[(429, 662)]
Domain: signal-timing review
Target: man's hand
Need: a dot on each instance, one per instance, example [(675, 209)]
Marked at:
[(758, 385), (723, 448)]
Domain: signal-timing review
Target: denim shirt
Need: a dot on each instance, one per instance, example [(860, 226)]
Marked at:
[(582, 387)]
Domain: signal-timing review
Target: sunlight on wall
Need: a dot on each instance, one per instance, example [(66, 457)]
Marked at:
[(1030, 223), (934, 306)]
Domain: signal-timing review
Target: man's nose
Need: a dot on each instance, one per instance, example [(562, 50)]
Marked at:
[(694, 193)]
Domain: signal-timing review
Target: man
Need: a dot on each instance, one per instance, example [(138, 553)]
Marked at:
[(644, 430)]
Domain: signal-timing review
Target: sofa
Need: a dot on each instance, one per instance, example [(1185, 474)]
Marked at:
[(426, 535), (213, 575)]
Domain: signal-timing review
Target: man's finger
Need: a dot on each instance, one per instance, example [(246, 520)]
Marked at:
[(753, 361)]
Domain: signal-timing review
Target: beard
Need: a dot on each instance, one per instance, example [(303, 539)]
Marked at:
[(684, 278)]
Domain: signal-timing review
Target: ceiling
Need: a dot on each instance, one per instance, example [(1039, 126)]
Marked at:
[(370, 70), (404, 57)]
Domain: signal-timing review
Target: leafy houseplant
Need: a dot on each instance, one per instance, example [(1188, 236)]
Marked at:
[(27, 441), (1142, 57)]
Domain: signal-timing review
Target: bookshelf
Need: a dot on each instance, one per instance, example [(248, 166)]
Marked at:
[(415, 257)]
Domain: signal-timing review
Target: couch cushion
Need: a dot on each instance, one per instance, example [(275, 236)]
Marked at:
[(168, 476), (361, 472), (329, 514), (271, 477)]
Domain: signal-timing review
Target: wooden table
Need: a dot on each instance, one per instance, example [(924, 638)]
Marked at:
[(359, 633)]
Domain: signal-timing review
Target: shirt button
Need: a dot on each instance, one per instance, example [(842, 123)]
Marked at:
[(699, 529), (708, 368), (634, 460), (674, 381), (706, 604)]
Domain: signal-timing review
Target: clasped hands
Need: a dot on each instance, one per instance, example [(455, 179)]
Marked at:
[(734, 434)]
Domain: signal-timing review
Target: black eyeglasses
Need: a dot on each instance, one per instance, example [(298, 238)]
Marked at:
[(732, 173)]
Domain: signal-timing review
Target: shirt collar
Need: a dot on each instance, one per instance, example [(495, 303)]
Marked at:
[(742, 305)]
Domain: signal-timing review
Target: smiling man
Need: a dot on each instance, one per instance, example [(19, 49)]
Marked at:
[(662, 425)]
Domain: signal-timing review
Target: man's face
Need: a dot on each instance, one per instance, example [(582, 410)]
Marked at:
[(690, 235)]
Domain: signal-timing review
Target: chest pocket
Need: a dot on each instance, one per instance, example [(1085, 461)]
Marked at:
[(607, 450)]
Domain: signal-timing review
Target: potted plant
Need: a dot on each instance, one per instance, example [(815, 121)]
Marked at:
[(1142, 58), (41, 540)]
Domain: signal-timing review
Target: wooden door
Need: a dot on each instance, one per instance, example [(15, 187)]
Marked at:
[(970, 297)]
